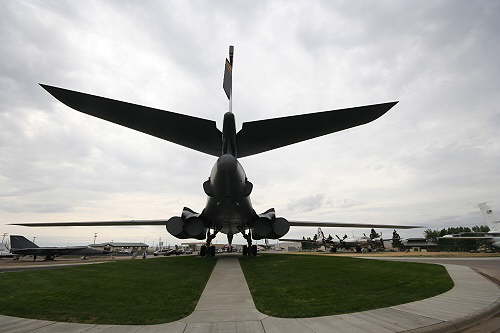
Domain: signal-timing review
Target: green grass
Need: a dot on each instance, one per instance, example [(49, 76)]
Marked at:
[(125, 292), (309, 286)]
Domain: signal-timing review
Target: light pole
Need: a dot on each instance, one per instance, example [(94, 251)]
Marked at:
[(34, 237), (95, 236)]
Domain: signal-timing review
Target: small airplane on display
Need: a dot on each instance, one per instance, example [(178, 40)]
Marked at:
[(20, 246), (228, 209)]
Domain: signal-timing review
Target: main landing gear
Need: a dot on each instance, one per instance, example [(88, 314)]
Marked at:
[(249, 250), (208, 250)]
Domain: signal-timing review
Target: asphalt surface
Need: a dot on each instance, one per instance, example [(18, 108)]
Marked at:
[(20, 268), (10, 265)]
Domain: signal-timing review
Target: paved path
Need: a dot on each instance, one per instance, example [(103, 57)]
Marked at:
[(227, 306)]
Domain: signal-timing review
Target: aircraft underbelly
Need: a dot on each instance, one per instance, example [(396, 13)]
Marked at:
[(230, 216)]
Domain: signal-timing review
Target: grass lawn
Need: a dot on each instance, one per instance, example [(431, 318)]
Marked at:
[(125, 292), (309, 286)]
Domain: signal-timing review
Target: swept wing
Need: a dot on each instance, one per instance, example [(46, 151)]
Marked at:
[(195, 133), (93, 223), (350, 225), (263, 135)]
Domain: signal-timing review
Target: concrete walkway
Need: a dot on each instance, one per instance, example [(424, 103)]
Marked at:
[(226, 306)]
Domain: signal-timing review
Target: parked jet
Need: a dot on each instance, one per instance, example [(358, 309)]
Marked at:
[(228, 209), (492, 238), (21, 246)]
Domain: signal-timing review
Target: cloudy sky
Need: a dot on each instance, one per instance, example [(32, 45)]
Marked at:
[(428, 161)]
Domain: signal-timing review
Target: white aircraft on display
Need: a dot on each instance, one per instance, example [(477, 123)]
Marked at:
[(492, 237), (4, 250)]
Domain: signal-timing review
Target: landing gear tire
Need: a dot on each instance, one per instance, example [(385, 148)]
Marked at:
[(211, 251), (245, 250), (203, 251), (253, 250), (358, 249)]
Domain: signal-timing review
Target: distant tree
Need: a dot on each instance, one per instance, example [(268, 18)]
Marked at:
[(432, 235), (396, 240), (480, 228)]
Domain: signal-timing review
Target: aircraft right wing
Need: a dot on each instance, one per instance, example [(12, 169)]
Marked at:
[(468, 237), (259, 136), (93, 223), (350, 225), (195, 133)]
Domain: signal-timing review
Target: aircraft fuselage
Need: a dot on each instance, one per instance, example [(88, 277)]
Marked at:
[(228, 207)]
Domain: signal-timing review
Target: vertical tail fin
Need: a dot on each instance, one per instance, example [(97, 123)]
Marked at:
[(490, 216), (20, 242), (228, 74)]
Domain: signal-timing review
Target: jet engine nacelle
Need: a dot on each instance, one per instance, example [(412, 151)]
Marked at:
[(188, 225), (269, 226)]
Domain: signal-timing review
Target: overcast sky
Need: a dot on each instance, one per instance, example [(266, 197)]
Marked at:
[(428, 161)]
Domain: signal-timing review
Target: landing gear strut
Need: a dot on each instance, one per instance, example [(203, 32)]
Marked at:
[(249, 250), (208, 249)]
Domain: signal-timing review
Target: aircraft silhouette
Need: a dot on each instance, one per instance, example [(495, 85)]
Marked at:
[(228, 209)]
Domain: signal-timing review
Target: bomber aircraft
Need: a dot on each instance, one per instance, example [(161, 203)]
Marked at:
[(228, 209), (20, 246)]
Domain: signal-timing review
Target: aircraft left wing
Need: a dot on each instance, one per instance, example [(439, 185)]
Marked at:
[(350, 225), (93, 223)]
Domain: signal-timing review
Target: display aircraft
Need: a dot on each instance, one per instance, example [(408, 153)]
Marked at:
[(5, 253), (4, 250), (358, 243), (492, 238), (21, 246), (228, 209)]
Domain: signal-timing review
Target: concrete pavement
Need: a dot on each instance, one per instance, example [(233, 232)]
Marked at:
[(226, 305)]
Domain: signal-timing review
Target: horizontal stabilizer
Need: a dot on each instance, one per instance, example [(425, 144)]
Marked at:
[(263, 135), (350, 225), (195, 133), (93, 223)]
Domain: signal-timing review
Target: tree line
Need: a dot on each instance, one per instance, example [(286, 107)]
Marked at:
[(434, 234)]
